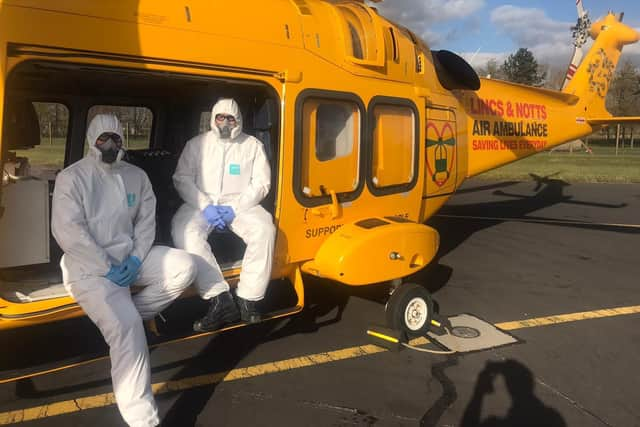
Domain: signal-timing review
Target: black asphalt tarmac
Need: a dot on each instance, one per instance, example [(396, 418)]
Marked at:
[(509, 251)]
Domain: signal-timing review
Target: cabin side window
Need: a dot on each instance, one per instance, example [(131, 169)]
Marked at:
[(37, 137), (136, 123), (330, 147), (394, 147), (334, 131), (205, 122)]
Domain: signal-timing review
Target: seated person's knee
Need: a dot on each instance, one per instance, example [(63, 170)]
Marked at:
[(185, 268)]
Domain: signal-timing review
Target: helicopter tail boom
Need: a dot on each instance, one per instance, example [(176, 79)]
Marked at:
[(508, 122)]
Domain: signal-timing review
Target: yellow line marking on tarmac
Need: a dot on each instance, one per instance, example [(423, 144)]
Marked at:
[(540, 221), (106, 399), (564, 318)]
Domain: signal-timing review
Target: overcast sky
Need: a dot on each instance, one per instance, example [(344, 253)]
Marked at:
[(497, 28)]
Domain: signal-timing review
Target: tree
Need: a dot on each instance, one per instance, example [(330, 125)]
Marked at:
[(53, 117), (142, 119), (622, 98), (522, 67), (554, 76)]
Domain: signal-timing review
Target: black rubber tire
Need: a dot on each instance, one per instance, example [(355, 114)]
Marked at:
[(397, 305)]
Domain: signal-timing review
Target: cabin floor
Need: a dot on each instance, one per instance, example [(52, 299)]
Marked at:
[(511, 251), (31, 283)]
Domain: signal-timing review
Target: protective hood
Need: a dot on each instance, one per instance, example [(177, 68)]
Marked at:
[(100, 124), (230, 107)]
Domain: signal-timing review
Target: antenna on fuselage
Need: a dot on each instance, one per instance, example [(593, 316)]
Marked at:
[(474, 54)]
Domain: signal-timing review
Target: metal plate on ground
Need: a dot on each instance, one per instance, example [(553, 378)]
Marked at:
[(465, 332), (470, 333)]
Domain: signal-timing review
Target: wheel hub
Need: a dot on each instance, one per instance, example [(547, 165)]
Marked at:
[(416, 313)]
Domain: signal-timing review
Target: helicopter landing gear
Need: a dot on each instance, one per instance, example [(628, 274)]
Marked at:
[(410, 309)]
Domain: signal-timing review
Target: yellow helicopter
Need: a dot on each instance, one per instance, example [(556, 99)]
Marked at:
[(367, 130)]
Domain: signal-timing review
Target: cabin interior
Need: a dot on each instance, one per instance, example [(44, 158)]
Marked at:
[(168, 110)]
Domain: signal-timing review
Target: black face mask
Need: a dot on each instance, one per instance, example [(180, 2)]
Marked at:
[(109, 151), (109, 156)]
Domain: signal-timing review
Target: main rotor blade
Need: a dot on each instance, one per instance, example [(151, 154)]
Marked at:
[(580, 8), (573, 65)]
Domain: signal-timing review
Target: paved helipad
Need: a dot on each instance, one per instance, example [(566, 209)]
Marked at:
[(557, 266)]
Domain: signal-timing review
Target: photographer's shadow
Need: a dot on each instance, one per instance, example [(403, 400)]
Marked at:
[(526, 409)]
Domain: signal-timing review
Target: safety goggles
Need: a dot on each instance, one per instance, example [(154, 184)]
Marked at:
[(223, 117), (109, 135)]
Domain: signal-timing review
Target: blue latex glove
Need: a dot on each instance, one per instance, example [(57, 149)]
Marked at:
[(131, 268), (213, 217), (117, 275), (226, 213)]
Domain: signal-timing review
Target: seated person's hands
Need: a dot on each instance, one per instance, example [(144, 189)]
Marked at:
[(226, 213), (131, 269), (125, 274), (213, 217), (117, 275)]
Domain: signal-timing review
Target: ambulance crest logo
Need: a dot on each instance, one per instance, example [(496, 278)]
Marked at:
[(441, 151)]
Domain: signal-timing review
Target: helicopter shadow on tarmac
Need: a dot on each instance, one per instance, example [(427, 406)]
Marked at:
[(457, 223)]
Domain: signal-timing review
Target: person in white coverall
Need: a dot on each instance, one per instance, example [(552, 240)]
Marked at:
[(104, 220), (222, 176)]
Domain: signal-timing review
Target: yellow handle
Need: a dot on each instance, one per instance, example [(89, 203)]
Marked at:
[(334, 208)]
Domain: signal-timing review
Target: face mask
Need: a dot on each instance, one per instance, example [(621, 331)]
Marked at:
[(225, 124), (109, 150), (225, 130)]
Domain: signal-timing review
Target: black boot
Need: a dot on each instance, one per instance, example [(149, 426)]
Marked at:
[(222, 311), (249, 312)]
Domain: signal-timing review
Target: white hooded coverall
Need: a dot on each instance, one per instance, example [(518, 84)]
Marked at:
[(102, 213), (233, 172)]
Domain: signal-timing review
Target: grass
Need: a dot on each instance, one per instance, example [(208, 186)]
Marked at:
[(601, 166), (47, 158), (52, 155)]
